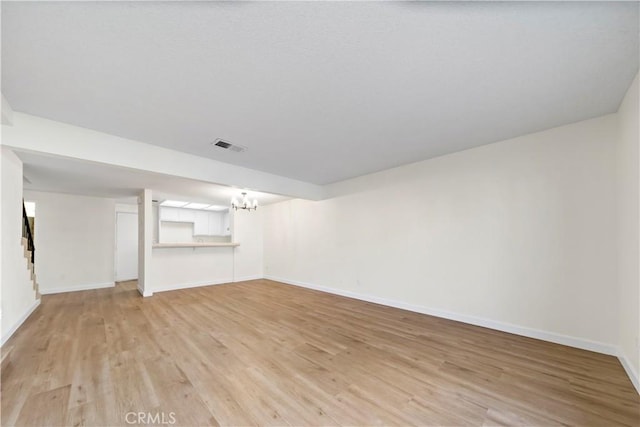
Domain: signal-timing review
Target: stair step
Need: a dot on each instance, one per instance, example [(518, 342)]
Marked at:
[(6, 357), (30, 266)]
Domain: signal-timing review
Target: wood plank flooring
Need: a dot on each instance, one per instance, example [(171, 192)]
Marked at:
[(264, 353)]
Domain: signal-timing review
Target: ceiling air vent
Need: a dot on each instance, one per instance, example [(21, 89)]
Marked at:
[(226, 145)]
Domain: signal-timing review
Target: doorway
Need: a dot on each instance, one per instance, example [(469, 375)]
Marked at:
[(126, 246)]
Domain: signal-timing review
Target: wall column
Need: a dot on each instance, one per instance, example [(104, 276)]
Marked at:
[(145, 242)]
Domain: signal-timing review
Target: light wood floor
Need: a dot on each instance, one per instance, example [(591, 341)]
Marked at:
[(264, 353)]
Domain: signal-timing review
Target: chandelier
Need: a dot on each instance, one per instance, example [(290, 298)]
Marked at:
[(245, 203)]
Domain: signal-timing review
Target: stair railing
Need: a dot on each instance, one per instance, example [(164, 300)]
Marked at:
[(27, 234)]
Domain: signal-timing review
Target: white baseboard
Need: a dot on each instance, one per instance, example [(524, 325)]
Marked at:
[(178, 286), (88, 287), (143, 293), (20, 321), (126, 280), (247, 278), (204, 283), (570, 341), (628, 367)]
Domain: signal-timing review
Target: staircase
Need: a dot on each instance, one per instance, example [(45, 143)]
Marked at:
[(29, 249), (32, 269)]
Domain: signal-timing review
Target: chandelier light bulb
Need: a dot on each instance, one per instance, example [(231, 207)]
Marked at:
[(245, 203)]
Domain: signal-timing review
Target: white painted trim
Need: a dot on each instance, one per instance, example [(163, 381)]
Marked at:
[(247, 278), (628, 367), (553, 337), (20, 321), (88, 287), (205, 283), (142, 293), (192, 285)]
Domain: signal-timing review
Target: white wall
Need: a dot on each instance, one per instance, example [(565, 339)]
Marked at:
[(247, 229), (75, 243), (179, 268), (629, 231), (17, 297), (517, 235)]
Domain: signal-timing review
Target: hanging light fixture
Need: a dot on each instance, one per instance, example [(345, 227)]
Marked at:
[(245, 203)]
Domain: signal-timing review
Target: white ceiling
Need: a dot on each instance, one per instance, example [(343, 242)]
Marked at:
[(62, 175), (318, 91)]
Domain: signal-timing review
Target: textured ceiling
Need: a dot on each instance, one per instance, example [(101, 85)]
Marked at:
[(318, 91)]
